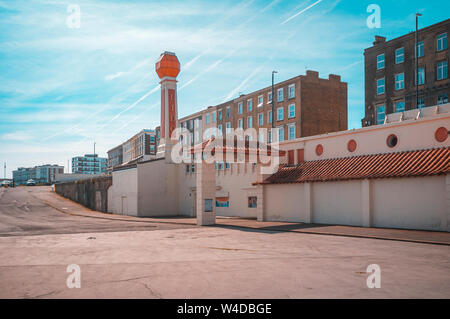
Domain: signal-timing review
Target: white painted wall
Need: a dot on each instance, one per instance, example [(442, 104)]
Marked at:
[(415, 202), (158, 188), (285, 202), (410, 203), (123, 193)]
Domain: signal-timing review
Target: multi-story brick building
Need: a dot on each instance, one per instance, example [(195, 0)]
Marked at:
[(304, 105), (142, 146), (390, 84), (43, 174)]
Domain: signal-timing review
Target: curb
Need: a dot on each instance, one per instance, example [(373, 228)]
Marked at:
[(248, 227)]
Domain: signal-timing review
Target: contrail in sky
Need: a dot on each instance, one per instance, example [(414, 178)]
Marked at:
[(300, 12)]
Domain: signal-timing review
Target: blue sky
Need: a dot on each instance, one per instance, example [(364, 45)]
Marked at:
[(62, 88)]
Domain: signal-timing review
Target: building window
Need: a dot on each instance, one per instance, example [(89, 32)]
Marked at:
[(249, 105), (214, 117), (249, 122), (240, 107), (260, 101), (269, 136), (380, 61), (421, 76), (240, 124), (380, 86), (280, 133), (280, 95), (291, 111), (291, 90), (270, 117), (400, 81), (207, 119), (280, 114), (228, 112), (400, 106), (228, 127), (420, 49), (220, 115), (441, 42), (442, 99), (291, 131), (261, 119), (399, 55), (442, 70), (219, 129), (269, 97), (252, 201), (421, 102), (381, 114)]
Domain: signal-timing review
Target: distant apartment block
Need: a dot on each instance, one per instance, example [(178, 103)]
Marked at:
[(390, 84), (88, 164), (142, 146), (304, 105), (44, 174)]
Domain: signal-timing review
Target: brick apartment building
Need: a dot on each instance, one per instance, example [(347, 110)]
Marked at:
[(390, 84), (305, 105)]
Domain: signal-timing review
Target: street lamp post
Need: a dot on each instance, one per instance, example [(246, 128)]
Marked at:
[(417, 60)]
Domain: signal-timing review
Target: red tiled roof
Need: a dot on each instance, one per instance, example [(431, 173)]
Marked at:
[(246, 147), (401, 164)]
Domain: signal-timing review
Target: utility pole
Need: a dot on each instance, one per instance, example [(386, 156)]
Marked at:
[(417, 59), (94, 157), (273, 105), (4, 171)]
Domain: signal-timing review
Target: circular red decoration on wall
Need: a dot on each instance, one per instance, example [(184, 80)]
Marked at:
[(351, 145), (392, 140), (319, 149), (441, 134)]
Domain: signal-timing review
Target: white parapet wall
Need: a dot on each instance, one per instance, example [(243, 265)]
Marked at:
[(410, 202)]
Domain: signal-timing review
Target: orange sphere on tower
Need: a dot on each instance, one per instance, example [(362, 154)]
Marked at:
[(167, 65)]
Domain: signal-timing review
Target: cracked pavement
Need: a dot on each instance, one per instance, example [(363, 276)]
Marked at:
[(125, 259)]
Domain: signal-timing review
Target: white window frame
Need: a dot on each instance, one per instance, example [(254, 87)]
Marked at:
[(381, 61), (440, 67), (269, 97), (278, 113), (261, 119), (213, 117), (207, 119), (280, 133), (240, 123), (240, 108), (400, 82), (289, 111), (228, 127), (249, 121), (291, 89), (441, 42), (291, 126), (280, 98), (379, 120), (228, 114), (418, 75), (269, 117), (260, 98), (381, 86), (395, 105), (249, 105), (401, 55), (420, 49)]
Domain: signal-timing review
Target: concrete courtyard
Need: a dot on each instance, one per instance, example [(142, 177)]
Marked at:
[(132, 259)]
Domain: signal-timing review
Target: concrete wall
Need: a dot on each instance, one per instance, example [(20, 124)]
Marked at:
[(92, 193), (123, 194), (158, 188), (411, 203)]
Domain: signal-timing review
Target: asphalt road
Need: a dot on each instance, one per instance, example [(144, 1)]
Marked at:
[(23, 213), (124, 259)]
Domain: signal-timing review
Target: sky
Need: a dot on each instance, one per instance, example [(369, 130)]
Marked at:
[(65, 85)]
